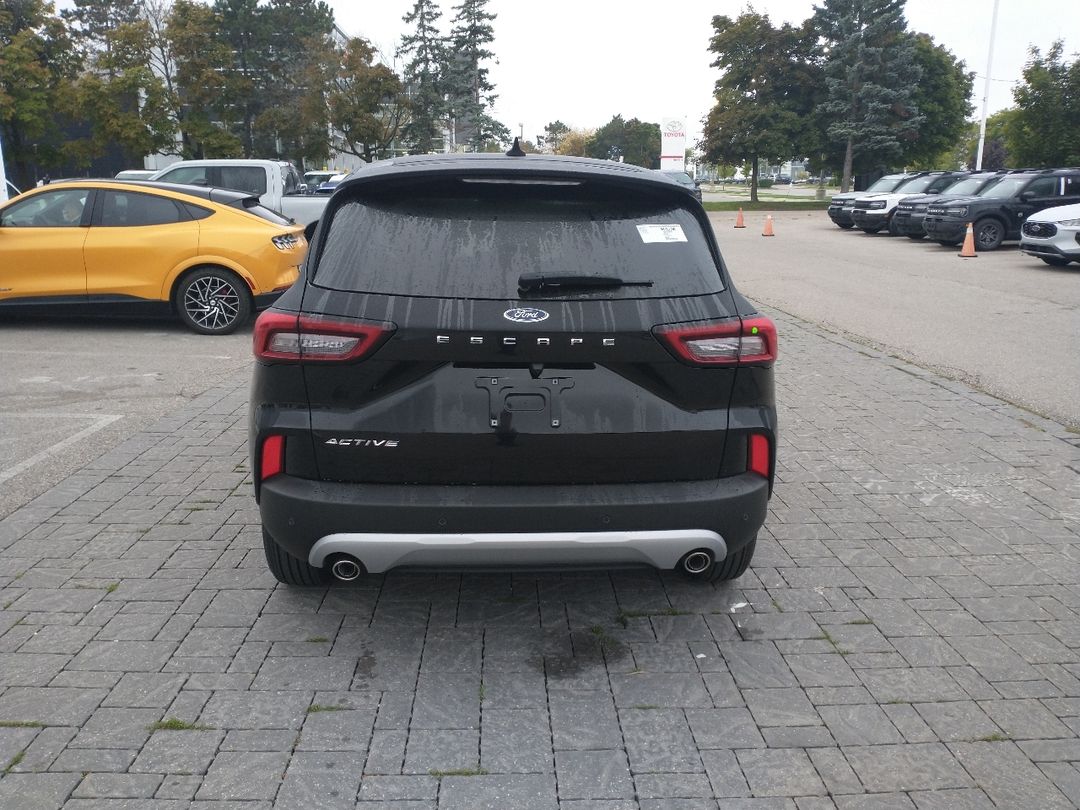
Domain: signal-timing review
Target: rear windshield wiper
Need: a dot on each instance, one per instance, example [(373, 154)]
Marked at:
[(535, 282)]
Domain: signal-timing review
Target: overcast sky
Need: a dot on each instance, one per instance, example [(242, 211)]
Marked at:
[(583, 61)]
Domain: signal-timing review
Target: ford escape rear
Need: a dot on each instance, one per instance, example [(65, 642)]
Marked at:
[(512, 361)]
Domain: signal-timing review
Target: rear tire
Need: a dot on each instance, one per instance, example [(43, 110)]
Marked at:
[(289, 570), (213, 301), (733, 566)]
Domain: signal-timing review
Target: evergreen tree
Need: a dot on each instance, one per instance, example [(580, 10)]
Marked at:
[(424, 77), (469, 93), (870, 76)]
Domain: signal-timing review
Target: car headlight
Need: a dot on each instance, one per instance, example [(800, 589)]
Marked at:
[(961, 211), (1070, 223), (877, 204), (285, 241)]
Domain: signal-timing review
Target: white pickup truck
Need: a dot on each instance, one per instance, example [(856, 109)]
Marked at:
[(277, 183)]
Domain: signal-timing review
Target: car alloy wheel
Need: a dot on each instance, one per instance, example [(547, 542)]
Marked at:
[(989, 234), (213, 302)]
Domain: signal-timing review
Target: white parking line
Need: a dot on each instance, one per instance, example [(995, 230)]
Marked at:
[(100, 421)]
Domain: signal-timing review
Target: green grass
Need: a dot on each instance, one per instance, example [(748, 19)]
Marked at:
[(861, 621), (317, 639), (767, 205), (992, 738), (321, 707), (21, 724), (176, 724), (15, 760), (112, 588)]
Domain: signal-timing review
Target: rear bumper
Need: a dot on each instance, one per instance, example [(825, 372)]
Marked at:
[(385, 525), (381, 552)]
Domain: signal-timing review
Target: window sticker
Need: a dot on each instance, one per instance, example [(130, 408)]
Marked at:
[(661, 233)]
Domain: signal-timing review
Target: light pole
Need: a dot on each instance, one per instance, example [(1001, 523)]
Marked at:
[(3, 176), (986, 89)]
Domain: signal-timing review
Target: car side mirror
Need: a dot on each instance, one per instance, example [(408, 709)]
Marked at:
[(303, 189), (1027, 195)]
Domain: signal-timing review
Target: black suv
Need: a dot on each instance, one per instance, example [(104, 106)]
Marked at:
[(512, 361), (910, 211), (998, 211)]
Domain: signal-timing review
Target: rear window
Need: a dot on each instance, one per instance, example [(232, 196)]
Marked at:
[(476, 240), (252, 206)]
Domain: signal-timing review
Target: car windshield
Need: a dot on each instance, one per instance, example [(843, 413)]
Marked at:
[(478, 242), (682, 178), (1006, 187), (886, 183), (916, 185), (969, 185)]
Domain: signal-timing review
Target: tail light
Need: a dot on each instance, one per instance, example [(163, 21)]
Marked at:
[(280, 336), (758, 456), (738, 341), (272, 458)]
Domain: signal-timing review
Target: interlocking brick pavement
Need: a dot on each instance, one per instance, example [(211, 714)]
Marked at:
[(907, 637)]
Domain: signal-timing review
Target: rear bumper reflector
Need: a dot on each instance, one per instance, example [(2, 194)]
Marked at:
[(757, 456), (272, 461)]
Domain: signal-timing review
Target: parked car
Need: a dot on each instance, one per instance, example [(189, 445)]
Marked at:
[(998, 211), (684, 180), (610, 401), (1053, 235), (208, 256), (910, 211), (275, 182), (312, 180), (873, 212), (842, 205), (134, 174), (331, 183)]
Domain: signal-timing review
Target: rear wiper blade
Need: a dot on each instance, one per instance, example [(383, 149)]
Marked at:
[(534, 282)]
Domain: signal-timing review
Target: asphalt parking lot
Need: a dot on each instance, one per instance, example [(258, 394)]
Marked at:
[(907, 637)]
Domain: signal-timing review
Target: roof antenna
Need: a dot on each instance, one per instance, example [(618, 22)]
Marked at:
[(516, 150)]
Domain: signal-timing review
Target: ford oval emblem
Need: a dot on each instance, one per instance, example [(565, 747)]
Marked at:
[(525, 315)]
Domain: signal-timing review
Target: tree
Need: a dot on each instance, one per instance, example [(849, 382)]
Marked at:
[(766, 89), (870, 75), (425, 77), (942, 97), (1044, 130), (368, 106), (630, 141), (554, 133), (38, 62), (573, 142), (207, 85), (470, 95)]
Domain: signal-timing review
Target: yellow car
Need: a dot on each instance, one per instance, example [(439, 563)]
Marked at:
[(210, 256)]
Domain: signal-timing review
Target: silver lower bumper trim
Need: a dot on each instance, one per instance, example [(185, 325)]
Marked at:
[(381, 552)]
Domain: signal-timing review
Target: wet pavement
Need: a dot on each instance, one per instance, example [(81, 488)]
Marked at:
[(908, 635)]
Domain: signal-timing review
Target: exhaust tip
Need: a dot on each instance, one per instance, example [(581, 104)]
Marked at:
[(346, 569), (697, 562)]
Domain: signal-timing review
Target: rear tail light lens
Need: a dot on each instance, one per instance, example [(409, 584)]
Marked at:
[(279, 336), (723, 343), (758, 456), (272, 461)]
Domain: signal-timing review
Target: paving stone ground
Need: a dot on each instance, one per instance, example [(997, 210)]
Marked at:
[(907, 637)]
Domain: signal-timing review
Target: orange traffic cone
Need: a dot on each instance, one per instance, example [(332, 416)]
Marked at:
[(739, 220), (768, 226), (968, 250)]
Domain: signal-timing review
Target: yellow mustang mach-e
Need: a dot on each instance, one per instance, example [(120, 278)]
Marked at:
[(207, 255)]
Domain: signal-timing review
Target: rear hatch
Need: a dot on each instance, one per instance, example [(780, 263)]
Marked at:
[(517, 333)]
